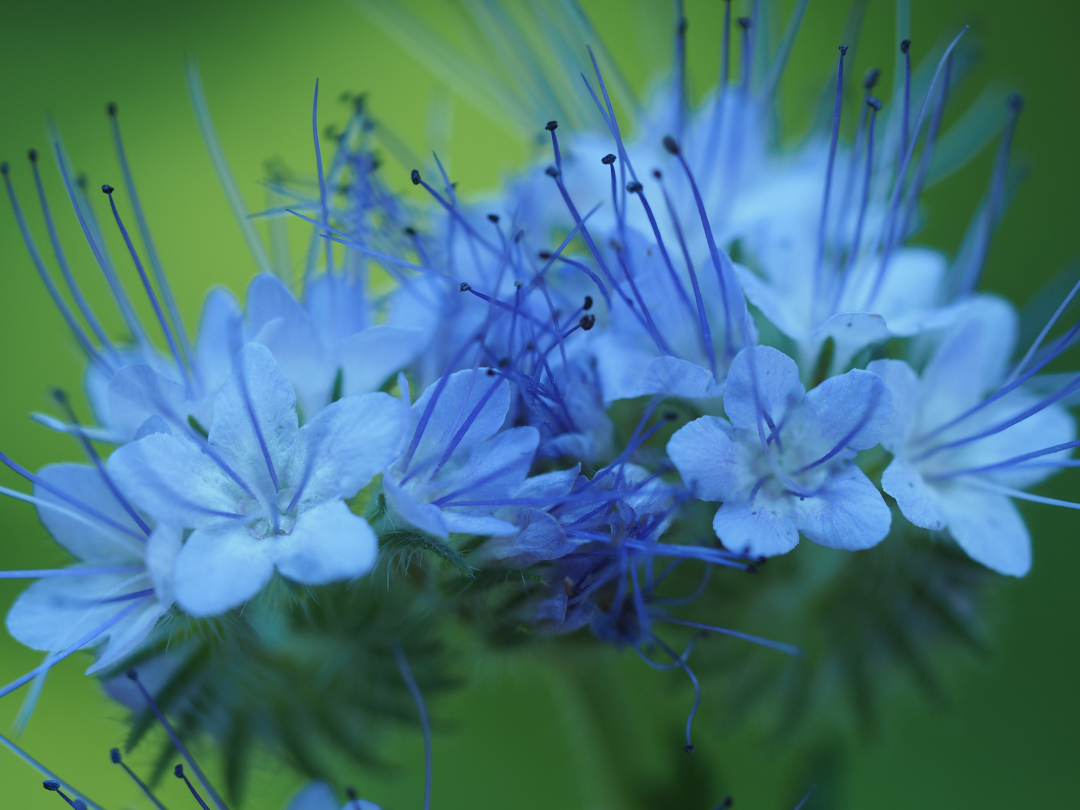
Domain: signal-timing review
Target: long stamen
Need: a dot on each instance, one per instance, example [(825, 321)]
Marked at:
[(114, 755), (1010, 462), (425, 724), (122, 300), (148, 243), (323, 206), (790, 649), (681, 661), (724, 274), (166, 330), (53, 786), (88, 447), (1042, 335), (875, 108), (905, 49), (180, 747), (703, 320), (39, 264), (33, 763), (927, 153), (717, 125), (833, 140), (178, 772), (59, 493)]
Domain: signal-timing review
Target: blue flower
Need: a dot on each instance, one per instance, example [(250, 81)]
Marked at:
[(260, 493), (967, 437), (783, 463), (459, 468), (320, 796), (122, 583)]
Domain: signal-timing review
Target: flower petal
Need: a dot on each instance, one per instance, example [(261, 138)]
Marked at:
[(404, 505), (221, 567), (904, 386), (138, 392), (918, 501), (220, 338), (257, 391), (758, 530), (463, 392), (90, 540), (327, 543), (849, 513), (778, 386), (173, 480), (350, 442), (368, 358), (704, 453), (989, 527), (852, 409)]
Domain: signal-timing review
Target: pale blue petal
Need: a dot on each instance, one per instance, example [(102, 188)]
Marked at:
[(162, 549), (494, 470), (138, 392), (918, 501), (681, 378), (367, 359), (849, 512), (257, 392), (328, 543), (174, 481), (220, 338), (128, 634), (756, 530), (989, 527), (851, 332), (539, 538), (905, 387), (778, 386), (704, 452), (315, 796), (404, 506), (463, 523), (463, 392), (220, 568), (350, 442), (852, 409), (90, 540)]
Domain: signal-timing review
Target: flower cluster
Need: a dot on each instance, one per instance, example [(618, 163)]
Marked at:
[(542, 383)]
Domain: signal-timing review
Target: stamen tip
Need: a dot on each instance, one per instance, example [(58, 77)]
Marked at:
[(588, 303), (587, 322), (873, 102), (1016, 102), (871, 79), (688, 749), (33, 155), (132, 674), (415, 177), (843, 50), (633, 186), (107, 189), (4, 168), (493, 218), (608, 159), (551, 126), (50, 784), (178, 771), (114, 755), (110, 108), (465, 286), (671, 145), (905, 45), (551, 171)]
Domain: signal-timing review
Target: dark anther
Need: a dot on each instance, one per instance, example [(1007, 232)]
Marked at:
[(59, 396), (871, 80), (493, 217), (358, 103), (491, 372), (518, 284), (670, 416), (843, 50), (875, 103), (751, 569), (744, 23), (415, 177), (4, 167), (616, 245), (633, 186), (178, 771), (464, 286), (587, 322), (671, 144), (551, 171), (409, 230), (351, 793), (114, 755), (132, 674), (656, 173), (544, 255), (607, 160), (368, 125), (551, 126), (588, 303), (688, 749), (726, 803), (107, 189), (530, 346), (905, 45), (110, 108), (504, 362), (81, 180), (32, 154), (682, 25), (50, 784), (520, 232), (1016, 102)]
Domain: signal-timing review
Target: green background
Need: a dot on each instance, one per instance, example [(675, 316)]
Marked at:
[(1010, 736)]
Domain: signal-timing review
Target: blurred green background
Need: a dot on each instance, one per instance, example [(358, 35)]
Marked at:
[(1010, 736)]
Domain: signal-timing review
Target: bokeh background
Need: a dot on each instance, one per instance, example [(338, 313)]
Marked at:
[(1010, 734)]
